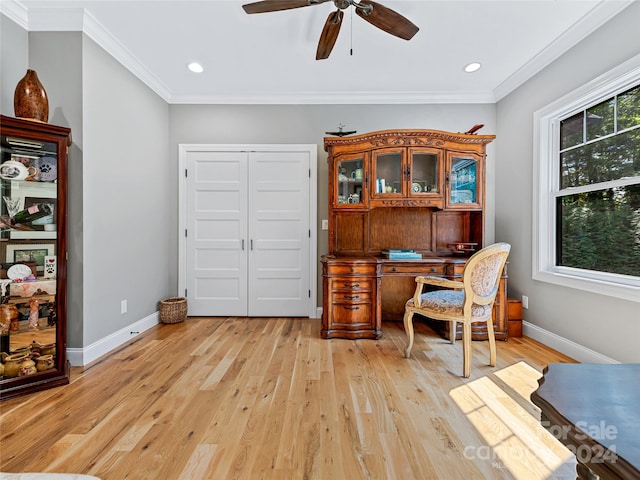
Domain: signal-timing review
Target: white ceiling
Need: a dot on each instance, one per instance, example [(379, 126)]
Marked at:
[(270, 57)]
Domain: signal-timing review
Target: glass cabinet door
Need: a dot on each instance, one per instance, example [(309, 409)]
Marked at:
[(425, 177), (464, 181), (388, 173), (350, 181), (28, 257)]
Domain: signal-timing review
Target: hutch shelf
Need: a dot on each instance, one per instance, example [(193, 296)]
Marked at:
[(416, 190)]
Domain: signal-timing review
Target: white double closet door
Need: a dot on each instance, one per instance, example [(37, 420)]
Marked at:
[(248, 231)]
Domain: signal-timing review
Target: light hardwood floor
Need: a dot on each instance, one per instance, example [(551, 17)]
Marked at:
[(226, 398)]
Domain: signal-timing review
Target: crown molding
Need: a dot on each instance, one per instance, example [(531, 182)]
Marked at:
[(96, 31), (594, 19), (61, 19), (15, 11), (77, 19), (340, 98)]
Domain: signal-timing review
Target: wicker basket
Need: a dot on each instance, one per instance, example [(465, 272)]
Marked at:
[(173, 310)]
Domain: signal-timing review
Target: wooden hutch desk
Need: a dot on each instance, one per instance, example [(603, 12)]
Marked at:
[(406, 189), (360, 292)]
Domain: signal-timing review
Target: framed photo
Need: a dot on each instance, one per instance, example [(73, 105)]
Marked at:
[(30, 252)]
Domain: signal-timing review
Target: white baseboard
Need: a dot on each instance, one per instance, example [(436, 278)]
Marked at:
[(79, 357), (83, 356), (563, 345)]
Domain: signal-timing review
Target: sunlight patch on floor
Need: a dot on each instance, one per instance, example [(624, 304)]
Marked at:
[(513, 438)]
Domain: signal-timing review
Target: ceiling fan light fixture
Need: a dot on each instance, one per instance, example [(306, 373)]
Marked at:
[(472, 67), (195, 67), (376, 14)]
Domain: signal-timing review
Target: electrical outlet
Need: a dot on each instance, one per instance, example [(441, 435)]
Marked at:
[(325, 224), (123, 307), (525, 301)]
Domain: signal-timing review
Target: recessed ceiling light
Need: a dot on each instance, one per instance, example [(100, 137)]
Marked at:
[(195, 67), (472, 67)]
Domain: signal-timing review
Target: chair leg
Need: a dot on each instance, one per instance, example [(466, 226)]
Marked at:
[(492, 343), (408, 329), (454, 332), (466, 349)]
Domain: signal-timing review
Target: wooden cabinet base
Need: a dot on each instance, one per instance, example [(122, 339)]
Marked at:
[(359, 292), (351, 334), (34, 383), (350, 298)]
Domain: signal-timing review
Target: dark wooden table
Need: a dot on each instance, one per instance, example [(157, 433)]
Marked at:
[(594, 410)]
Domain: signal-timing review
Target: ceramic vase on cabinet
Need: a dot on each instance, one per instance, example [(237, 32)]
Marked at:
[(44, 362), (12, 363), (30, 98)]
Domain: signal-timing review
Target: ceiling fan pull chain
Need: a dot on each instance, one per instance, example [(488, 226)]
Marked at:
[(351, 33)]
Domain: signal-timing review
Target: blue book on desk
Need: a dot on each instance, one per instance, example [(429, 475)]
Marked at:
[(404, 256), (401, 254)]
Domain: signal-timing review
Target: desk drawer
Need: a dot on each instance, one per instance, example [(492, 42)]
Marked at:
[(351, 316), (351, 297), (350, 284), (414, 270), (355, 269)]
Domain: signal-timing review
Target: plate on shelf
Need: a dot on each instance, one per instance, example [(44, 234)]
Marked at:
[(416, 187), (47, 169), (19, 271)]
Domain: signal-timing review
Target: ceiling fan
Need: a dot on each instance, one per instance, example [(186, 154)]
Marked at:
[(377, 15)]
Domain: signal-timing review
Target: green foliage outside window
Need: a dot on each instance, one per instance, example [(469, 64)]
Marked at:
[(599, 227), (600, 230)]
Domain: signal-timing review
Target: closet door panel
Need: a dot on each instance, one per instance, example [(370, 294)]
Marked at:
[(278, 233), (216, 250)]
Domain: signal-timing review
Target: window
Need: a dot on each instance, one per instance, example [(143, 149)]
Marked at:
[(587, 187)]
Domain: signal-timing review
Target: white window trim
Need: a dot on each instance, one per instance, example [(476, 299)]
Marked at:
[(545, 181)]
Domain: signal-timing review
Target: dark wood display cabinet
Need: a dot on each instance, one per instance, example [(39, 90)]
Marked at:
[(419, 190), (33, 254)]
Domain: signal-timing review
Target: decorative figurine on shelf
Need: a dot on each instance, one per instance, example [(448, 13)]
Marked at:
[(340, 132), (474, 129), (52, 316), (34, 313), (9, 312)]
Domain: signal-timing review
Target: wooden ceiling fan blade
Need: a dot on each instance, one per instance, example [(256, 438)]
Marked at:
[(388, 20), (329, 35), (265, 6)]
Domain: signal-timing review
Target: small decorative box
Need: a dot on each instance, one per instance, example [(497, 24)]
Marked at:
[(27, 289)]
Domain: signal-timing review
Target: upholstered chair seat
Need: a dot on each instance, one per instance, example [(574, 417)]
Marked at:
[(450, 303)]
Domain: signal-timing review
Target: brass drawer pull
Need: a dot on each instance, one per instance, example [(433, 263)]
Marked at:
[(350, 308), (352, 297), (352, 285)]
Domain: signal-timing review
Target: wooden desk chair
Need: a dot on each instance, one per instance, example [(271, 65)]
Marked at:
[(468, 301)]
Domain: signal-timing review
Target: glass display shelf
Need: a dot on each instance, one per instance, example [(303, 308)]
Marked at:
[(350, 180)]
